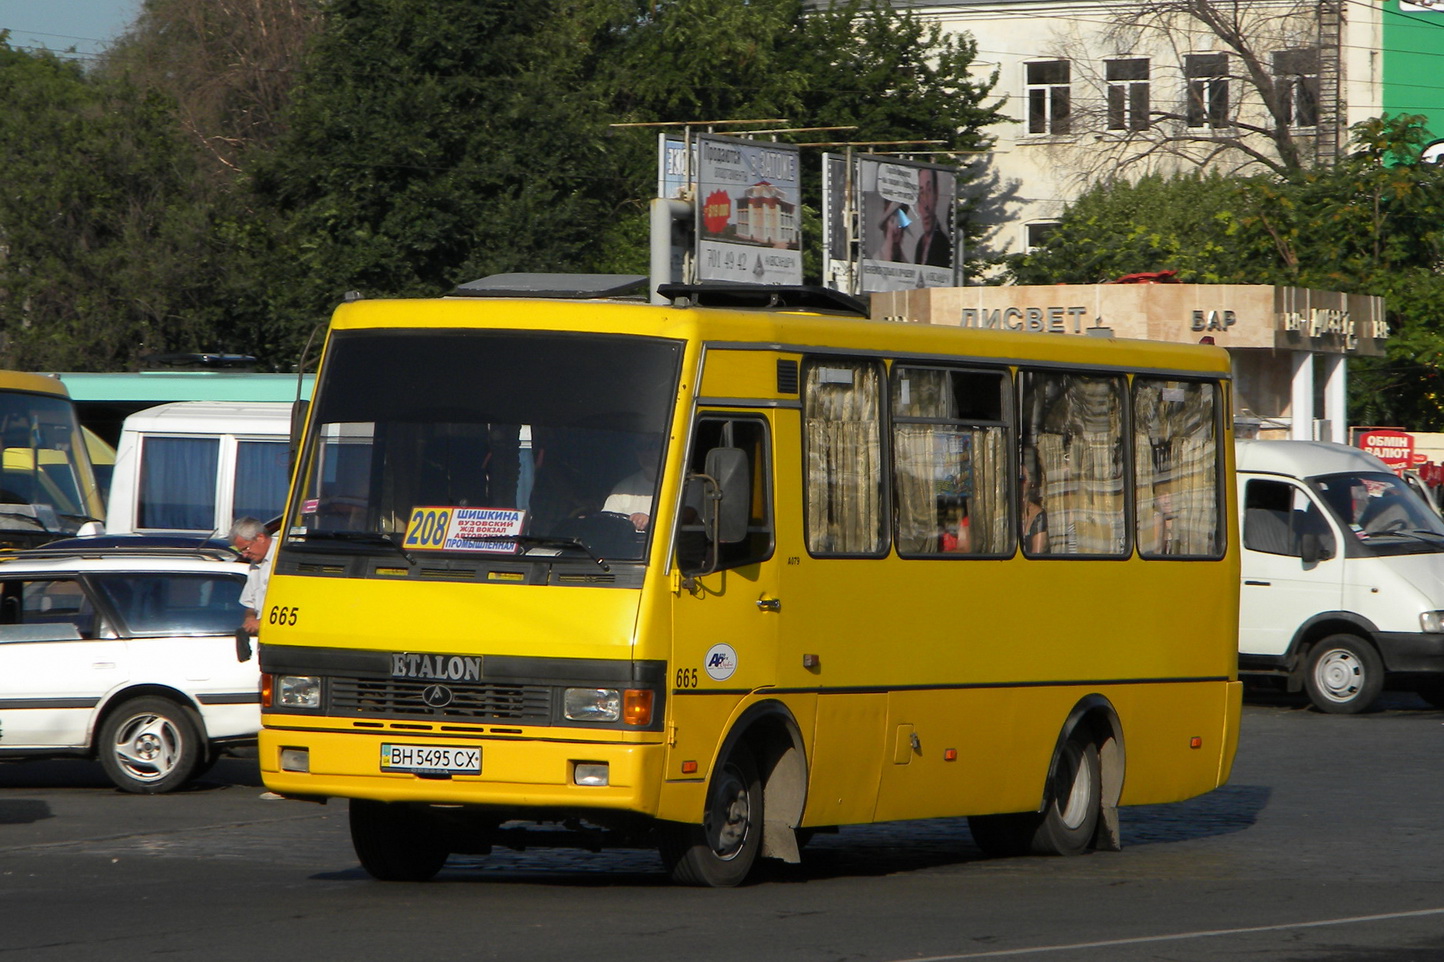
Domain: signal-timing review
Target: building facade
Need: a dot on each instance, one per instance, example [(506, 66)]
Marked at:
[(1102, 90)]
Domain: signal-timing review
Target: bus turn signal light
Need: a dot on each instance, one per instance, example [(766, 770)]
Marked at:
[(637, 706), (1195, 742)]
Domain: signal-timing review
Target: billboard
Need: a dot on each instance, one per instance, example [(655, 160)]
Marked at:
[(836, 215), (906, 217), (749, 211)]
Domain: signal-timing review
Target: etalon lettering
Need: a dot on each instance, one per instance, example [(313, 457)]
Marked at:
[(441, 667)]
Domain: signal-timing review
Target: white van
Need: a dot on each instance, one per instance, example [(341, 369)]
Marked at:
[(1343, 575), (192, 467)]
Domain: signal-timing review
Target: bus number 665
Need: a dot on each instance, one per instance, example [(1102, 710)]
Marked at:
[(283, 615)]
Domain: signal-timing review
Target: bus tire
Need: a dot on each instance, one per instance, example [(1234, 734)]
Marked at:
[(150, 745), (1073, 800), (1343, 674), (721, 851), (1071, 808), (395, 843)]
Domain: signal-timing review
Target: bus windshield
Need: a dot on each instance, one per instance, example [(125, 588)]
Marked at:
[(42, 484), (483, 443), (1382, 512)]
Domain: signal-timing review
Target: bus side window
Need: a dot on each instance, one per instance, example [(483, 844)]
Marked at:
[(750, 436)]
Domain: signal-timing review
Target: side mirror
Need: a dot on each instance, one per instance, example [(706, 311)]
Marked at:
[(727, 467), (1312, 548), (299, 408)]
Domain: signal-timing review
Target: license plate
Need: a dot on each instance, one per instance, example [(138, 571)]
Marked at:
[(431, 758)]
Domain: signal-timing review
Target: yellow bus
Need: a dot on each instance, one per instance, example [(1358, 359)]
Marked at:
[(48, 488), (716, 574)]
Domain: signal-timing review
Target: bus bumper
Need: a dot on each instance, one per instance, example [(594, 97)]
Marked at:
[(518, 774)]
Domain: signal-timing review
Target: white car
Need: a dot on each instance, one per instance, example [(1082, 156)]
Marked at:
[(126, 655)]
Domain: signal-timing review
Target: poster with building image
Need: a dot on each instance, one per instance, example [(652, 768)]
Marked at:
[(906, 224), (749, 200)]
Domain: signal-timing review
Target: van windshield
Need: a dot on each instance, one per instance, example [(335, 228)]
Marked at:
[(487, 443), (1380, 509)]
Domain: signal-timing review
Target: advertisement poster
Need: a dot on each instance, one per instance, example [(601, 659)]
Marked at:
[(906, 218), (749, 200)]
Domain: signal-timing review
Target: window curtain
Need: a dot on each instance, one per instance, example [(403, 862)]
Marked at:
[(1176, 460), (1080, 457), (178, 484), (260, 479), (844, 459)]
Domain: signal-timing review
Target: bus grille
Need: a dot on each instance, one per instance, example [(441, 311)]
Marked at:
[(388, 697)]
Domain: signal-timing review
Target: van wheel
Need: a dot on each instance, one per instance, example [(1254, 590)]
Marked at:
[(395, 842), (720, 852), (1069, 819), (150, 745), (1343, 675)]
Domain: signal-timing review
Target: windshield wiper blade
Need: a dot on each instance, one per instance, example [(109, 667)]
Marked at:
[(362, 537), (541, 541)]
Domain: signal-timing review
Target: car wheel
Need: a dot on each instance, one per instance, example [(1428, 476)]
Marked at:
[(1343, 675), (150, 745)]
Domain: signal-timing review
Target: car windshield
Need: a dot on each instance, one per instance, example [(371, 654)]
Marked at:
[(486, 443), (1381, 510)]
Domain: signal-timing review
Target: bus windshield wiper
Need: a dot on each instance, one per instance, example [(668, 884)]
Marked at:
[(541, 541), (362, 537)]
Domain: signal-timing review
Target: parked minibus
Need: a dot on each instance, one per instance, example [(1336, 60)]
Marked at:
[(716, 574), (1342, 575), (192, 467), (47, 485)]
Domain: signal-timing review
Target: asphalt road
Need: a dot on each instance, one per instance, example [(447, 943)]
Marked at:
[(1325, 847)]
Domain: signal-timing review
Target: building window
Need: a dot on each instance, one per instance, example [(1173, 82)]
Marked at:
[(1049, 101), (1296, 74), (1036, 235), (1128, 94), (1207, 77)]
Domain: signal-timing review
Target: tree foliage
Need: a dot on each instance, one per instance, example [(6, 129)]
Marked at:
[(98, 264)]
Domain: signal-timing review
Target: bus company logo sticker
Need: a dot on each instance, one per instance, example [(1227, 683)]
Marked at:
[(721, 662), (437, 667)]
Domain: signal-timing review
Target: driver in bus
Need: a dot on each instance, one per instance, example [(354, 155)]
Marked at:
[(632, 496)]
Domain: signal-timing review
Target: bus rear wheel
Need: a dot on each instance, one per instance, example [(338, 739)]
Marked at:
[(721, 851), (1343, 675), (395, 843), (1068, 821)]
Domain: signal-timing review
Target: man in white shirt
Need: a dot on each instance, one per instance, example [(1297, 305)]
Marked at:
[(254, 543)]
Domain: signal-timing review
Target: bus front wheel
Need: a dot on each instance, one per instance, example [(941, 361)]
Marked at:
[(720, 852), (1069, 818), (395, 843)]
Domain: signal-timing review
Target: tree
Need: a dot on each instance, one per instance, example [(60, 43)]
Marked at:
[(228, 65), (431, 143), (97, 265)]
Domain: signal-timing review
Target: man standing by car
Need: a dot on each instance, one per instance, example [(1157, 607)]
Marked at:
[(254, 543)]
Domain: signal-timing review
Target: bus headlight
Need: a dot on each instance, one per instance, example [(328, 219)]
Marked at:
[(592, 704), (297, 691), (1431, 621)]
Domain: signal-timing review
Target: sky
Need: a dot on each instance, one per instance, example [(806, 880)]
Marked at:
[(86, 25)]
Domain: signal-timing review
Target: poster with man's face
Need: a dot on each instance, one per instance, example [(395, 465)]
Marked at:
[(906, 222)]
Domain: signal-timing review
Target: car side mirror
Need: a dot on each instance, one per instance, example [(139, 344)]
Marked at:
[(727, 467), (1312, 548)]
